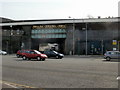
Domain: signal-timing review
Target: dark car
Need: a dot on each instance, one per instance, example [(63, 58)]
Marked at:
[(32, 54), (112, 55), (52, 53)]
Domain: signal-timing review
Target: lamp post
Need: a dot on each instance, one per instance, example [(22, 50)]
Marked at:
[(11, 33), (102, 48), (73, 37), (86, 38), (73, 42)]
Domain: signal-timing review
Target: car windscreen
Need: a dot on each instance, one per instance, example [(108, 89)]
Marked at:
[(37, 52)]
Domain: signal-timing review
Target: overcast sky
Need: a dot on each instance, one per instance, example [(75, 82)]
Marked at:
[(57, 9)]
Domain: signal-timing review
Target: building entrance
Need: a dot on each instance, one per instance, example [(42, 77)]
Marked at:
[(42, 44), (46, 36)]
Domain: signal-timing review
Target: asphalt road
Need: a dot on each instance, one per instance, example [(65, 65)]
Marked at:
[(69, 72)]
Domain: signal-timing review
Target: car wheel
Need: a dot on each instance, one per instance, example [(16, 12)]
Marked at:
[(60, 57), (24, 57), (43, 59), (57, 57), (108, 58), (38, 58)]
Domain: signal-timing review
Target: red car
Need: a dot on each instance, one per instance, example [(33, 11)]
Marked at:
[(19, 53), (32, 54)]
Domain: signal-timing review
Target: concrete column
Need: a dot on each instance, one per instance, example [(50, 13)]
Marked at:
[(26, 38)]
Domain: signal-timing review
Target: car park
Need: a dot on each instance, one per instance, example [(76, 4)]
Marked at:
[(52, 53), (31, 54), (3, 52), (112, 55)]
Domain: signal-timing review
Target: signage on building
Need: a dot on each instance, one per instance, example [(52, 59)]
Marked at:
[(114, 42), (49, 26)]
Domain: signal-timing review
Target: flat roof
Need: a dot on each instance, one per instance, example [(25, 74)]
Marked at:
[(58, 21)]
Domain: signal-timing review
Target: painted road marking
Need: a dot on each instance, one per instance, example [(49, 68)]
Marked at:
[(14, 85), (10, 85)]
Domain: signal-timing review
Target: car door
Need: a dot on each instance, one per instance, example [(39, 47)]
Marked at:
[(27, 53), (52, 54), (47, 53), (119, 55), (33, 54), (115, 55), (112, 55)]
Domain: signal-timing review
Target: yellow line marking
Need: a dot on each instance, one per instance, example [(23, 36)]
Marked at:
[(10, 85), (16, 85)]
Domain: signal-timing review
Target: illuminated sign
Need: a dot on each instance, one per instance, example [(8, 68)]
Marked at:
[(49, 26)]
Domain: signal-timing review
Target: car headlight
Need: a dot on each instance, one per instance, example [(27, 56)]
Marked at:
[(61, 55), (4, 52), (43, 55)]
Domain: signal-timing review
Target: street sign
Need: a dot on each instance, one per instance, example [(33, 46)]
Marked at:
[(114, 42)]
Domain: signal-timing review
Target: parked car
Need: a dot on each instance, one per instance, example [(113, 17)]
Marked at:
[(3, 52), (19, 53), (52, 53), (112, 55), (31, 54)]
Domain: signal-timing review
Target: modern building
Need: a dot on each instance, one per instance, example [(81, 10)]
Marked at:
[(73, 36)]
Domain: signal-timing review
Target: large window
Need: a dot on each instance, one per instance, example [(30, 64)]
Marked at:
[(52, 32)]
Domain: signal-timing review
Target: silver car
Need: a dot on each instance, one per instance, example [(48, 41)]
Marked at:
[(3, 52), (112, 55)]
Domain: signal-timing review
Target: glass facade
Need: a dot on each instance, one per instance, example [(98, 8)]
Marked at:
[(48, 33)]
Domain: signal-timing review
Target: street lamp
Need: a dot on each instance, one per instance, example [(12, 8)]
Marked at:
[(11, 33), (73, 27), (86, 37), (7, 41), (102, 48)]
